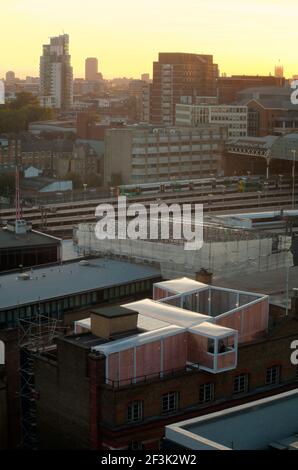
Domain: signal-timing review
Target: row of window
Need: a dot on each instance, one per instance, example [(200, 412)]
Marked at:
[(170, 401), (56, 308)]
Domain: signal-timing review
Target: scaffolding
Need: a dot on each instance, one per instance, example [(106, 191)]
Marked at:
[(36, 336)]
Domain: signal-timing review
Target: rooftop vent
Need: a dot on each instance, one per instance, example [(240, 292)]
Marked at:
[(84, 262), (24, 277)]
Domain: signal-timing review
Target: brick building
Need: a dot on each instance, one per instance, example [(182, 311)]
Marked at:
[(10, 151), (45, 154), (127, 372), (177, 76), (9, 391), (270, 111), (228, 87), (61, 294)]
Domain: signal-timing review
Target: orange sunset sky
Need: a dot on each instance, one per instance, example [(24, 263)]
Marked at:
[(244, 36)]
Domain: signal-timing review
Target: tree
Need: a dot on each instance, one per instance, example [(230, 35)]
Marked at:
[(24, 99), (7, 184), (16, 115)]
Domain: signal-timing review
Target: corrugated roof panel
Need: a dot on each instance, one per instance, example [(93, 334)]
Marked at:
[(164, 312)]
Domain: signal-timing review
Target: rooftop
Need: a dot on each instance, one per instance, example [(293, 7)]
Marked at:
[(262, 424), (200, 327), (32, 238), (180, 286), (44, 145), (167, 313), (213, 331), (67, 279), (113, 312)]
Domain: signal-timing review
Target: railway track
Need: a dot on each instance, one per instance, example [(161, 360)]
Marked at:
[(59, 219)]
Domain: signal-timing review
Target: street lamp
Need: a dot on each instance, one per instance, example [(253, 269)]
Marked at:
[(293, 176)]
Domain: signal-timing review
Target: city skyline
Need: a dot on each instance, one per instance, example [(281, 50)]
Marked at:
[(127, 39)]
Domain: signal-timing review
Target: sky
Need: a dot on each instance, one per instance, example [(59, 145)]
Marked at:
[(126, 35)]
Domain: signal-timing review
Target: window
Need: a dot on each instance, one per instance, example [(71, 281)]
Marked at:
[(135, 411), (206, 393), (210, 345), (170, 402), (241, 383), (272, 375), (135, 445)]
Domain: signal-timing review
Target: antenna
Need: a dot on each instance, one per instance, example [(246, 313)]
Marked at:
[(18, 199)]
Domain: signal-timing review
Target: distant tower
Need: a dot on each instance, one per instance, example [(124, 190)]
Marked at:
[(279, 70), (10, 77), (56, 75), (91, 69)]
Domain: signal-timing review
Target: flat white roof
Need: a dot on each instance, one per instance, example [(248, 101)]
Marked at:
[(138, 340), (182, 285), (151, 324), (212, 330), (167, 313), (252, 426)]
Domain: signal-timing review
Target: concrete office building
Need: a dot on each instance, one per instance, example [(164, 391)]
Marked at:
[(56, 74), (234, 117), (176, 76), (139, 154)]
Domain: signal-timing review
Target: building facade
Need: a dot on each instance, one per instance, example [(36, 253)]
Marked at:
[(270, 111), (234, 117), (30, 248), (178, 75), (10, 435), (146, 154), (56, 74), (10, 151)]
